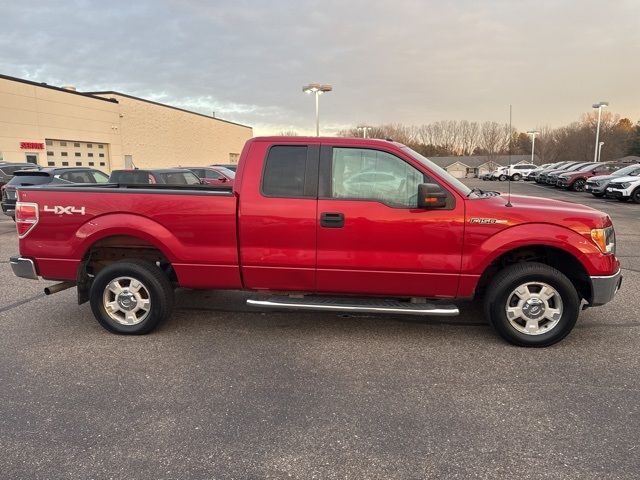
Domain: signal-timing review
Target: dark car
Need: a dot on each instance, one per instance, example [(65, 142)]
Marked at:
[(166, 176), (577, 180), (542, 176), (598, 184), (229, 166), (531, 176), (46, 176), (217, 176), (7, 169)]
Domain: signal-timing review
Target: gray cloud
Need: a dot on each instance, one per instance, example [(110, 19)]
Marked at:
[(389, 61)]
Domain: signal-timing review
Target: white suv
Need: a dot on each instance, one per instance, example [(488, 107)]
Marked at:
[(515, 172), (624, 188)]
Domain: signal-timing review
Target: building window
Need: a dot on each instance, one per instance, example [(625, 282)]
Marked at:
[(102, 164), (51, 164), (49, 154), (101, 154), (64, 154), (49, 142), (233, 157), (100, 146), (63, 144), (91, 164), (89, 145), (65, 164), (78, 164), (76, 144), (90, 154), (77, 154)]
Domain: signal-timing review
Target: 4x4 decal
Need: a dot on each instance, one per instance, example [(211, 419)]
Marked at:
[(60, 210)]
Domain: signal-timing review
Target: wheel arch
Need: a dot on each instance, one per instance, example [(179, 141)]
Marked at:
[(555, 257)]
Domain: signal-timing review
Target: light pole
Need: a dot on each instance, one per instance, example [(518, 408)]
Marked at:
[(599, 106), (318, 90), (364, 129), (600, 150), (533, 134)]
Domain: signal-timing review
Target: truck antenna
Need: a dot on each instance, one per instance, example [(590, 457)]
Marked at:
[(508, 204)]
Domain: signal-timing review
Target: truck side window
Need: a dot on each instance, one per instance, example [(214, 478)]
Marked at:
[(284, 171), (364, 174)]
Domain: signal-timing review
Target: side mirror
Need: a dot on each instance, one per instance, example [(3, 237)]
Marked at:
[(224, 179), (431, 196), (203, 181)]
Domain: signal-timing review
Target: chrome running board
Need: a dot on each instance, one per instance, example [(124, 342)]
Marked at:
[(339, 304)]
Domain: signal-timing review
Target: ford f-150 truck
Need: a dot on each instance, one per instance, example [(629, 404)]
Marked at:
[(333, 224)]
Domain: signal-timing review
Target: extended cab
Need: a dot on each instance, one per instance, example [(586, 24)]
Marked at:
[(332, 224)]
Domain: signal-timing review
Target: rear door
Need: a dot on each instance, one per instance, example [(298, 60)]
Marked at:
[(372, 238), (277, 216)]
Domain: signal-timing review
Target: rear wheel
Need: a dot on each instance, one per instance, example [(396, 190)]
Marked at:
[(516, 177), (532, 304), (578, 185), (131, 297), (502, 178)]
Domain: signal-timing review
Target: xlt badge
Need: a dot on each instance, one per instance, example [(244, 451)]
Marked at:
[(486, 221)]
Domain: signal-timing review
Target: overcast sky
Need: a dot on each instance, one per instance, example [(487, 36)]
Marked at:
[(407, 61)]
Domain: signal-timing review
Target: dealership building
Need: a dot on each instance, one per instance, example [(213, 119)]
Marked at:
[(59, 126)]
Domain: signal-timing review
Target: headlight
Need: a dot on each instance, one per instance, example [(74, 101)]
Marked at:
[(605, 239), (624, 185)]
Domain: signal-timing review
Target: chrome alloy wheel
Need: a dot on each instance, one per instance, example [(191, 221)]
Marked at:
[(534, 308), (126, 300)]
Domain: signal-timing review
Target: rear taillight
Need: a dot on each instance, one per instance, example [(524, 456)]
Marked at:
[(27, 217)]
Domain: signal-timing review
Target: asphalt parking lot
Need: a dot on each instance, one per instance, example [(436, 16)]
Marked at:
[(225, 391)]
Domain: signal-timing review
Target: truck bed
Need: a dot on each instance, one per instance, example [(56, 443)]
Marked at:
[(194, 228)]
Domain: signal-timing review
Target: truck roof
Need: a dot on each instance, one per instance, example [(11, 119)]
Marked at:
[(334, 140)]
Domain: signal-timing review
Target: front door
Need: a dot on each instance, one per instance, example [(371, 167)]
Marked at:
[(372, 238)]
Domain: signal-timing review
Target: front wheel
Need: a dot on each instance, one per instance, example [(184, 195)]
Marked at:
[(635, 196), (516, 177), (131, 297), (597, 194), (578, 185), (502, 178), (532, 304)]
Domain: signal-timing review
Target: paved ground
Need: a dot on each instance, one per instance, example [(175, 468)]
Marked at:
[(225, 392)]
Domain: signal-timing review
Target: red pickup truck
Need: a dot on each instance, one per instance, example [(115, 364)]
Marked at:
[(337, 224)]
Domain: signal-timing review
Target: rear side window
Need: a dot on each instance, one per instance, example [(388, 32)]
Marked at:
[(284, 171)]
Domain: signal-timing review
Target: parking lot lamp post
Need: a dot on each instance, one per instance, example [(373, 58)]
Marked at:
[(600, 151), (317, 90), (599, 106), (364, 129), (533, 134)]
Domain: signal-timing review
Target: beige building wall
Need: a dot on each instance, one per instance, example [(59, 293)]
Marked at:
[(162, 136), (33, 113)]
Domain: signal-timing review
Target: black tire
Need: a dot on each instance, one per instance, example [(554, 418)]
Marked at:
[(635, 196), (157, 287), (597, 194), (500, 291), (622, 199), (502, 178), (516, 177), (578, 185)]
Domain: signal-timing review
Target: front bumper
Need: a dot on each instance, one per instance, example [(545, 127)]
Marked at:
[(610, 192), (605, 288), (23, 267), (562, 183)]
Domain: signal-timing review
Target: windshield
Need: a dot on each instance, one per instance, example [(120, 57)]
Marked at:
[(450, 179), (628, 170), (229, 173)]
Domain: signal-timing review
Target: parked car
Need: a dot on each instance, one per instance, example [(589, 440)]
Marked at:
[(486, 176), (46, 176), (324, 247), (597, 185), (542, 176), (531, 176), (7, 169), (624, 188), (577, 180), (515, 172), (552, 177), (229, 166), (219, 176), (166, 176)]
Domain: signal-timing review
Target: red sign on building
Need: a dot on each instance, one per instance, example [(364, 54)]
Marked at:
[(31, 146)]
